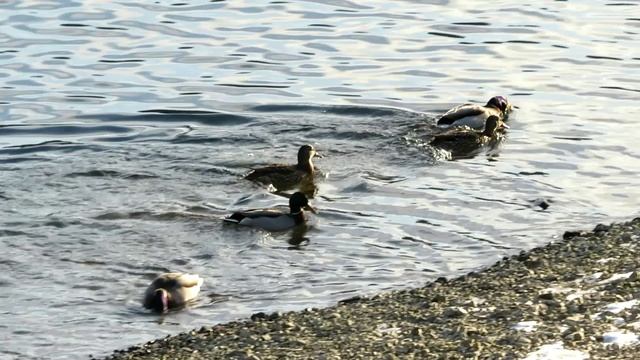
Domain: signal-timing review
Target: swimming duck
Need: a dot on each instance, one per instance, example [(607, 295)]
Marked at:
[(475, 116), (284, 177), (274, 219), (171, 290), (463, 140)]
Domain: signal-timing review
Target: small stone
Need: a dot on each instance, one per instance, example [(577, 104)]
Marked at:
[(299, 342), (601, 228), (541, 203), (288, 325), (522, 256), (577, 335), (534, 262), (473, 274), (576, 307), (258, 316), (350, 300), (454, 312), (499, 314), (474, 331), (547, 296), (570, 235), (273, 316)]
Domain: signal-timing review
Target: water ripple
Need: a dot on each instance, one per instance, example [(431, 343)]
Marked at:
[(126, 128)]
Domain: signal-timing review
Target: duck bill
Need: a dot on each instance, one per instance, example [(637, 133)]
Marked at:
[(308, 207), (505, 126), (318, 155)]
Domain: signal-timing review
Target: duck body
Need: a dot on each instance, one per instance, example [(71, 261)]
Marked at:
[(274, 219), (461, 140), (281, 176), (171, 290), (463, 137), (284, 177), (475, 116), (267, 219)]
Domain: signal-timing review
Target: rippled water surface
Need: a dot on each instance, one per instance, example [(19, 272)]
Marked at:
[(126, 127)]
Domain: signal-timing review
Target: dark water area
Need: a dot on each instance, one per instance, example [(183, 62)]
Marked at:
[(125, 129)]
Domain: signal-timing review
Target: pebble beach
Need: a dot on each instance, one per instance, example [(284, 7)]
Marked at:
[(575, 298)]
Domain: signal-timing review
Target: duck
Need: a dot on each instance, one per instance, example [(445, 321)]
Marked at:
[(475, 116), (284, 177), (274, 219), (464, 140), (172, 290)]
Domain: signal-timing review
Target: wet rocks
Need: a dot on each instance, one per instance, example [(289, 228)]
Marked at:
[(579, 292), (601, 228)]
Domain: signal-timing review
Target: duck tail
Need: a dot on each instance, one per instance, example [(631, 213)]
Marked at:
[(234, 218)]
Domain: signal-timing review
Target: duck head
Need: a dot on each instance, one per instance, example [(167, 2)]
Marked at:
[(499, 102), (160, 301), (297, 201), (493, 124), (305, 154)]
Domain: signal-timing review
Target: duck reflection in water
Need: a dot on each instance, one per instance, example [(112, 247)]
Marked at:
[(298, 238)]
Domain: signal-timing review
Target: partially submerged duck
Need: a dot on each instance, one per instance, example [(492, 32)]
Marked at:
[(171, 290), (284, 177), (461, 140), (475, 116), (274, 219)]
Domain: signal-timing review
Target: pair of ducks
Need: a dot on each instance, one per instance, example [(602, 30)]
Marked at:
[(465, 123), (469, 126)]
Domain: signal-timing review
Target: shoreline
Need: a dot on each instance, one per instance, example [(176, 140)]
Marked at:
[(579, 295)]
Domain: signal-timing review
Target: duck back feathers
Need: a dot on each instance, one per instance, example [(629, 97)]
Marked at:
[(179, 288), (475, 116)]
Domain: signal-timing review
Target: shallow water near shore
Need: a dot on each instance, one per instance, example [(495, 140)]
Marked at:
[(126, 127)]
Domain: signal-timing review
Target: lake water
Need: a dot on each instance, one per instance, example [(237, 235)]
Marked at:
[(125, 128)]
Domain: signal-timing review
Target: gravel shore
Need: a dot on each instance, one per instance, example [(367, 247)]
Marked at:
[(579, 296)]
